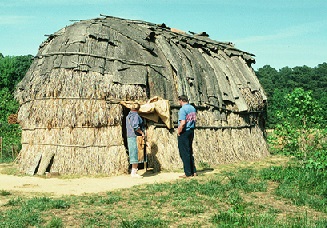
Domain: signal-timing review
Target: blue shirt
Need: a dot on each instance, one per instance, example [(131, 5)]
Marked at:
[(133, 122), (187, 112)]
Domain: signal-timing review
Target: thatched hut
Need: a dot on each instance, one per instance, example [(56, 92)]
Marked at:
[(72, 119)]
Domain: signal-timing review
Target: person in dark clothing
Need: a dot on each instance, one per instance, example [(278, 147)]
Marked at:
[(185, 132)]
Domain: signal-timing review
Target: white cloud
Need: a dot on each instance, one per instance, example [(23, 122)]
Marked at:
[(11, 20), (16, 3), (294, 31)]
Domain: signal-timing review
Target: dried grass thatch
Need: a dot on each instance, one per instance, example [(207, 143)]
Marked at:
[(70, 99), (12, 119)]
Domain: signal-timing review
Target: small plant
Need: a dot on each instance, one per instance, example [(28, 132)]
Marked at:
[(55, 222), (4, 193), (15, 202), (143, 223), (45, 203), (204, 166), (301, 186)]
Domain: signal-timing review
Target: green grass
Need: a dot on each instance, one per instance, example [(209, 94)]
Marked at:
[(242, 198), (301, 186), (4, 193)]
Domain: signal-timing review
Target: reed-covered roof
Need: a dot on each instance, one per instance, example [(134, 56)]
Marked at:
[(165, 62)]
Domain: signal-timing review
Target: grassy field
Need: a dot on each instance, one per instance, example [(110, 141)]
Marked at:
[(270, 193)]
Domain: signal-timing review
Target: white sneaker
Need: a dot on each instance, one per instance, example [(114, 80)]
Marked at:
[(135, 175)]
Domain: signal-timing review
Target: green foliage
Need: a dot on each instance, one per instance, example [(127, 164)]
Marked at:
[(40, 204), (268, 77), (318, 159), (219, 200), (12, 70), (28, 213), (111, 198), (143, 223), (10, 133), (302, 110), (228, 219), (55, 223), (302, 186), (276, 103), (299, 130), (4, 193), (278, 83)]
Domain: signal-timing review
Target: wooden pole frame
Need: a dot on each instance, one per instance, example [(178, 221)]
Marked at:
[(0, 148)]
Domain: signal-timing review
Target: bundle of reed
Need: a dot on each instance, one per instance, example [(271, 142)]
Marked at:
[(40, 146), (79, 136), (73, 160), (12, 119), (52, 113), (211, 146), (253, 99), (64, 84), (91, 160), (235, 140)]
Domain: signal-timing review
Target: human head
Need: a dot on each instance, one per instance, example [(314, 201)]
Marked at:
[(182, 99), (135, 107)]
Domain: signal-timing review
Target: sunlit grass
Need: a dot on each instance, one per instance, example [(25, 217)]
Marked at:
[(229, 198)]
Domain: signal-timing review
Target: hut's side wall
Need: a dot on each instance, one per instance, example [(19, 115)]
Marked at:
[(83, 150), (239, 141), (72, 136), (73, 160), (69, 124)]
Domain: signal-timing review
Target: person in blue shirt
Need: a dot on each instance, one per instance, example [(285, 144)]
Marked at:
[(133, 129), (185, 132)]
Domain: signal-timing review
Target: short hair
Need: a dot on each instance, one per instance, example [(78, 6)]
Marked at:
[(183, 98), (135, 106)]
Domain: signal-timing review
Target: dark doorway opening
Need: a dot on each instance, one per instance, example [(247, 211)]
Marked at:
[(124, 133), (141, 165)]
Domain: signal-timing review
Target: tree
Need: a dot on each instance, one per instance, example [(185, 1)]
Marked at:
[(301, 117), (276, 103), (267, 77), (300, 133), (303, 110), (11, 133), (12, 70), (286, 80)]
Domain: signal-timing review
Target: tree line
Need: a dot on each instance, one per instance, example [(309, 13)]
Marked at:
[(278, 85), (12, 70)]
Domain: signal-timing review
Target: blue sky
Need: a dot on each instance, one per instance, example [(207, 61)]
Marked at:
[(279, 32)]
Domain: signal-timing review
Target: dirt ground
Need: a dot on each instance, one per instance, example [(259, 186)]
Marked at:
[(59, 186)]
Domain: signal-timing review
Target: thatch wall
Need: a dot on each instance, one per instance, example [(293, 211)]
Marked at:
[(70, 113), (211, 147)]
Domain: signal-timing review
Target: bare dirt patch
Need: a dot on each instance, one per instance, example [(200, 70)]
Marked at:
[(59, 186)]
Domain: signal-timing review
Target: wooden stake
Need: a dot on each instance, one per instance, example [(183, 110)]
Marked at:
[(0, 148)]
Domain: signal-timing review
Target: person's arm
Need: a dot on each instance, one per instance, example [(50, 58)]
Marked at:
[(140, 132), (181, 126)]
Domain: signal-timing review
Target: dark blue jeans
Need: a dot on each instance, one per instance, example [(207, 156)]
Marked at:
[(185, 148)]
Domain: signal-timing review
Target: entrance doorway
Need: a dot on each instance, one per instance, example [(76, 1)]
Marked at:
[(142, 152)]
